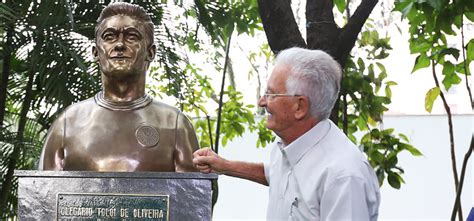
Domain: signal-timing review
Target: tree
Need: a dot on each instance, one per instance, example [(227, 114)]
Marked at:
[(431, 24), (42, 66), (359, 107)]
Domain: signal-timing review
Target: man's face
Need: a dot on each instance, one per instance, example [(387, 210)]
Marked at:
[(122, 48), (280, 109)]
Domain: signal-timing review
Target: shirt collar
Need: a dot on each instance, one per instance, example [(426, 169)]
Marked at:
[(296, 149)]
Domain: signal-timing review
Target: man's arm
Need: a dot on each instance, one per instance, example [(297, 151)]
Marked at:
[(186, 144), (209, 162)]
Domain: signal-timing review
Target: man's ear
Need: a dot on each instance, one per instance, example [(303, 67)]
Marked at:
[(151, 53), (95, 53), (302, 109)]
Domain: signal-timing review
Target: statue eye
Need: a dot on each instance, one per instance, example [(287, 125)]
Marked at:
[(108, 36), (132, 36)]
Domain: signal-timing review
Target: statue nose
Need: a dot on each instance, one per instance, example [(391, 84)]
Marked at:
[(119, 46)]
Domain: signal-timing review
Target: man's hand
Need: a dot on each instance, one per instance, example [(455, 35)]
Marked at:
[(207, 161)]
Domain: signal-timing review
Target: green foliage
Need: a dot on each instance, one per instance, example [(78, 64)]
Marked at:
[(422, 61), (365, 105), (376, 47), (30, 144), (47, 61), (382, 148), (219, 17), (236, 117), (470, 51), (431, 22), (192, 88)]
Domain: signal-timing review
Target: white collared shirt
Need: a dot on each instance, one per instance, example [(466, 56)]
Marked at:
[(321, 175)]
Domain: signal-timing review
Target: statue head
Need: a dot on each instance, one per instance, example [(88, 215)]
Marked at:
[(124, 44)]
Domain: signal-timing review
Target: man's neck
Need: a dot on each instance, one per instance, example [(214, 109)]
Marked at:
[(297, 130), (123, 89)]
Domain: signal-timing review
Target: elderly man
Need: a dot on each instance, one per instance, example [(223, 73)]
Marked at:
[(315, 171), (121, 128)]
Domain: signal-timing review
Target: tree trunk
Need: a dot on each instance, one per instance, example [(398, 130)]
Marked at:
[(280, 25), (322, 32), (7, 51)]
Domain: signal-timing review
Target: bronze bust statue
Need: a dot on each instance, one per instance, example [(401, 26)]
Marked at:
[(121, 128)]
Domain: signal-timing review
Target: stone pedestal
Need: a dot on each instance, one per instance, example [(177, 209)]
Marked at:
[(80, 195)]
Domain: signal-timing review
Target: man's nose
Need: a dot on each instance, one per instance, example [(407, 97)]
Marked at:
[(262, 102)]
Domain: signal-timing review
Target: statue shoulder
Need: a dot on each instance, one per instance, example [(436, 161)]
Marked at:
[(80, 108), (162, 107), (182, 120), (84, 105)]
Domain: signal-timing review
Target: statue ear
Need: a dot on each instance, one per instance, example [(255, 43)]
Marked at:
[(151, 53), (95, 53)]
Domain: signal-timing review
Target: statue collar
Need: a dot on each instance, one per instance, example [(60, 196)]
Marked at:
[(122, 106)]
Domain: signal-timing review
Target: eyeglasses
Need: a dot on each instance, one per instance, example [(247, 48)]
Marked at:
[(270, 96)]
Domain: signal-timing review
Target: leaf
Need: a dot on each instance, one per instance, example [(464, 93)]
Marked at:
[(422, 61), (361, 64), (340, 4), (450, 51), (403, 6), (437, 4), (430, 97), (393, 180), (388, 131), (450, 76), (388, 92), (381, 66), (403, 137), (411, 149), (470, 16), (391, 83), (377, 157), (470, 51), (420, 47)]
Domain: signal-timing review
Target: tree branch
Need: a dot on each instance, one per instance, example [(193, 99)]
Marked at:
[(466, 70), (321, 29), (280, 25), (349, 33), (457, 201), (451, 134)]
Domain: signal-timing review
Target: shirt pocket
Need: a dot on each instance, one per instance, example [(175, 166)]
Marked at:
[(296, 212)]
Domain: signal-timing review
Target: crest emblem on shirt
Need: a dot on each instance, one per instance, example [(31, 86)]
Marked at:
[(147, 136)]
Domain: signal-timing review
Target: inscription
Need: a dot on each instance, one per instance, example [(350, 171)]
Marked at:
[(76, 211), (71, 206)]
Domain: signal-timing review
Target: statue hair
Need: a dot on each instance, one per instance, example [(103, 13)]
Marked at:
[(134, 11)]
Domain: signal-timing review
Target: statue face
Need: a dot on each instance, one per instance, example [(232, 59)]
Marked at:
[(122, 48)]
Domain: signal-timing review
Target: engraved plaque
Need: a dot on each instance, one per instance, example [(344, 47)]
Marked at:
[(147, 136), (86, 195), (91, 206)]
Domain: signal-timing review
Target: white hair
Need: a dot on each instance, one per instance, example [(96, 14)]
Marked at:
[(315, 74)]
